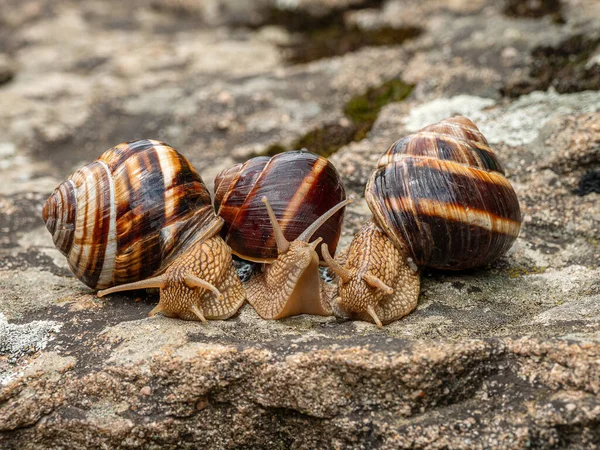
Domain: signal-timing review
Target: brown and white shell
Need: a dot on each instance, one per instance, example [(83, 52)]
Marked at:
[(300, 187), (125, 216), (441, 195)]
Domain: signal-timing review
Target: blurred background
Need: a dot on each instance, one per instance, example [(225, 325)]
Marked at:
[(222, 80)]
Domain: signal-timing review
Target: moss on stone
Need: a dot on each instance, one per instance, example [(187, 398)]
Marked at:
[(272, 150), (563, 67), (365, 108), (362, 111), (325, 35), (336, 40), (516, 272)]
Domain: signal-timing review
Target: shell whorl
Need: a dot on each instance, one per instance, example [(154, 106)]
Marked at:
[(59, 215), (300, 186), (455, 139), (125, 216), (441, 195)]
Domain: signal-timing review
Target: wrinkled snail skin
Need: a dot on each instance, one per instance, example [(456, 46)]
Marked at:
[(375, 281), (292, 285), (201, 284), (439, 199), (272, 207), (140, 216)]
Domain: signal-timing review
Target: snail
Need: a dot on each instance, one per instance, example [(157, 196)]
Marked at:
[(141, 217), (439, 199), (272, 207)]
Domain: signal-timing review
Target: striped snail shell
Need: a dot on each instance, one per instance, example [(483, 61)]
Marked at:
[(300, 187), (125, 216), (273, 208), (439, 199), (441, 193)]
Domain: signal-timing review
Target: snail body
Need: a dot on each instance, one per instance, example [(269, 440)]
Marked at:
[(140, 216), (440, 197), (272, 207)]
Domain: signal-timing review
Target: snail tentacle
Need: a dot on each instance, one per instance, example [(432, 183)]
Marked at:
[(156, 282), (439, 199), (193, 281), (283, 245), (292, 284), (127, 219), (198, 313), (337, 268)]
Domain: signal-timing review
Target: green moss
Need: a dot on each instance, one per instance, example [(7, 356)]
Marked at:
[(362, 110), (365, 108), (336, 40), (541, 8), (516, 272), (329, 35), (326, 140), (321, 36)]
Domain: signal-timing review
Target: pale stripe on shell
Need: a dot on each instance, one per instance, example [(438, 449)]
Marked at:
[(62, 214), (392, 156), (469, 216), (299, 197), (80, 252), (108, 266), (462, 169), (169, 171)]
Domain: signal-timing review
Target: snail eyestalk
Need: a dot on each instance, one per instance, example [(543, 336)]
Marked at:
[(337, 268), (313, 244), (308, 232), (375, 282), (193, 282), (158, 308), (156, 282), (283, 245), (198, 313), (372, 313)]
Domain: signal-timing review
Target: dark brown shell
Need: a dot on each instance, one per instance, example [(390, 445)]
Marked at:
[(441, 195), (299, 185), (125, 216)]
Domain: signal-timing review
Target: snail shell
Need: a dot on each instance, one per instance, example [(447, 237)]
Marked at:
[(125, 216), (300, 186), (439, 199), (441, 195)]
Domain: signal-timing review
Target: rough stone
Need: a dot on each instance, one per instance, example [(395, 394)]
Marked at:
[(19, 340), (7, 69), (505, 356)]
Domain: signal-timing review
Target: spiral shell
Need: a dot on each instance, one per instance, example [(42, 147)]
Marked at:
[(125, 216), (300, 186), (441, 195)]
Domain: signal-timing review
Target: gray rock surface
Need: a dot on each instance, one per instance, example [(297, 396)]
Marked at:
[(506, 356)]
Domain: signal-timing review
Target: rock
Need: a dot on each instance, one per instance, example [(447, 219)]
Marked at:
[(7, 69), (219, 12), (318, 8), (19, 340), (255, 13), (575, 141), (504, 356), (533, 8)]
